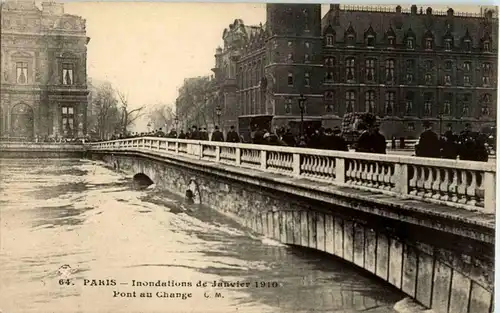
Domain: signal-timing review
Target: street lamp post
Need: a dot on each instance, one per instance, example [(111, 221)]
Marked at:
[(302, 102)]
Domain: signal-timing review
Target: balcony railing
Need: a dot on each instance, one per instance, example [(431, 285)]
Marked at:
[(461, 184)]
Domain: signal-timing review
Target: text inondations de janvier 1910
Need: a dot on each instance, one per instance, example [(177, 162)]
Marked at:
[(168, 289)]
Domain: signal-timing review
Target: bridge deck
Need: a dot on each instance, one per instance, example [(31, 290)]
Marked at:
[(411, 210)]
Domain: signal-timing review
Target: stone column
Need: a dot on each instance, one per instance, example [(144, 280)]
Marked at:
[(80, 120)]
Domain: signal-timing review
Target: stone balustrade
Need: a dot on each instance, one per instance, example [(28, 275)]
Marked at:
[(461, 184)]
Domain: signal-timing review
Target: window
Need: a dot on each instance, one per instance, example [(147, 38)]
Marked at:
[(487, 73), (466, 80), (329, 62), (306, 20), (329, 98), (370, 101), (350, 40), (428, 43), (22, 73), (306, 58), (350, 69), (290, 44), (467, 45), (448, 45), (448, 65), (370, 41), (467, 66), (288, 106), (428, 104), (370, 69), (67, 74), (391, 42), (307, 80), (429, 65), (329, 40), (410, 65), (389, 70), (328, 76), (290, 79), (411, 126), (409, 103), (466, 98), (428, 79), (485, 105), (486, 46), (290, 58), (389, 102), (409, 78), (308, 45), (447, 79), (447, 104), (410, 43), (67, 120), (350, 101)]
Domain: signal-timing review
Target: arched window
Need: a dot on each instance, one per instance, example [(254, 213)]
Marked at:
[(370, 70), (330, 40), (409, 102), (428, 40), (389, 70), (370, 101), (428, 104)]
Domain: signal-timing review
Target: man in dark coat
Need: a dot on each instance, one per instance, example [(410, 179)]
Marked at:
[(429, 145), (338, 142), (182, 135), (204, 134), (195, 134), (288, 138), (217, 135), (232, 136), (378, 141), (364, 143)]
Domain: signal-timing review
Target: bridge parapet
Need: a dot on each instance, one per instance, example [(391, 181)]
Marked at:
[(462, 184)]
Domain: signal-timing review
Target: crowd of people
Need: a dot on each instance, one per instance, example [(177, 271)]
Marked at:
[(467, 145)]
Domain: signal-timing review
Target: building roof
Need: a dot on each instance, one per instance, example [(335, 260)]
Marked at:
[(382, 20)]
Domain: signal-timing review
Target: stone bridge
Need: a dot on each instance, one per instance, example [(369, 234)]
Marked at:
[(425, 226)]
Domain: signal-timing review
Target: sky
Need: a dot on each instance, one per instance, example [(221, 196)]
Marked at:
[(146, 49)]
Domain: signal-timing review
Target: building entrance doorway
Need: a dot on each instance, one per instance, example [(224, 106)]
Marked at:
[(21, 121)]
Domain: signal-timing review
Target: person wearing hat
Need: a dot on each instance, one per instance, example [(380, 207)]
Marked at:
[(338, 142), (378, 140), (232, 135), (217, 135), (429, 145)]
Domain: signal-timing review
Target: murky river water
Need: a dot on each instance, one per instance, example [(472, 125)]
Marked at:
[(83, 215)]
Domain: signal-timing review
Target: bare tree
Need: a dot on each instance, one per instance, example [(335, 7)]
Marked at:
[(128, 115), (103, 115), (161, 115)]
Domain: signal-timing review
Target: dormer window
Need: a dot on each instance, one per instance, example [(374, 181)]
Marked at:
[(448, 44), (410, 43), (428, 43), (486, 46), (329, 40), (467, 45), (391, 42), (350, 40), (370, 41)]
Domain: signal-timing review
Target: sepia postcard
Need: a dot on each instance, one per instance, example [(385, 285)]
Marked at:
[(160, 157)]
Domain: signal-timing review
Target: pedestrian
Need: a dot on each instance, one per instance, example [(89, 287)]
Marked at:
[(217, 135), (232, 135), (428, 145)]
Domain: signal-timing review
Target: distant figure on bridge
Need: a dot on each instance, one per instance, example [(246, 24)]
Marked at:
[(195, 134), (172, 134), (217, 135), (258, 136), (472, 145), (182, 135), (429, 145), (364, 143), (204, 134), (335, 141), (232, 135), (449, 145), (378, 140), (288, 138)]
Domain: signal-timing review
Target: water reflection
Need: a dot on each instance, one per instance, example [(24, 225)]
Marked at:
[(81, 214)]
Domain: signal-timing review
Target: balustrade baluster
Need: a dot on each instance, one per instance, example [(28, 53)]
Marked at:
[(462, 187), (471, 189)]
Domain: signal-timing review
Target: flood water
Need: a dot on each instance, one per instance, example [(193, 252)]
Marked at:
[(67, 222)]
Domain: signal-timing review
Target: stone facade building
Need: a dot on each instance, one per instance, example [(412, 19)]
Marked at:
[(43, 71), (406, 66)]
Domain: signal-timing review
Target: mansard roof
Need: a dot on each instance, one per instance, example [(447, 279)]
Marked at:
[(403, 23)]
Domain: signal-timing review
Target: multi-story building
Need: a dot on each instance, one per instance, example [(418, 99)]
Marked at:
[(43, 89), (406, 66)]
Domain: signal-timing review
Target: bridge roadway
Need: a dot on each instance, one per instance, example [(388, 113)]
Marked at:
[(420, 199)]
